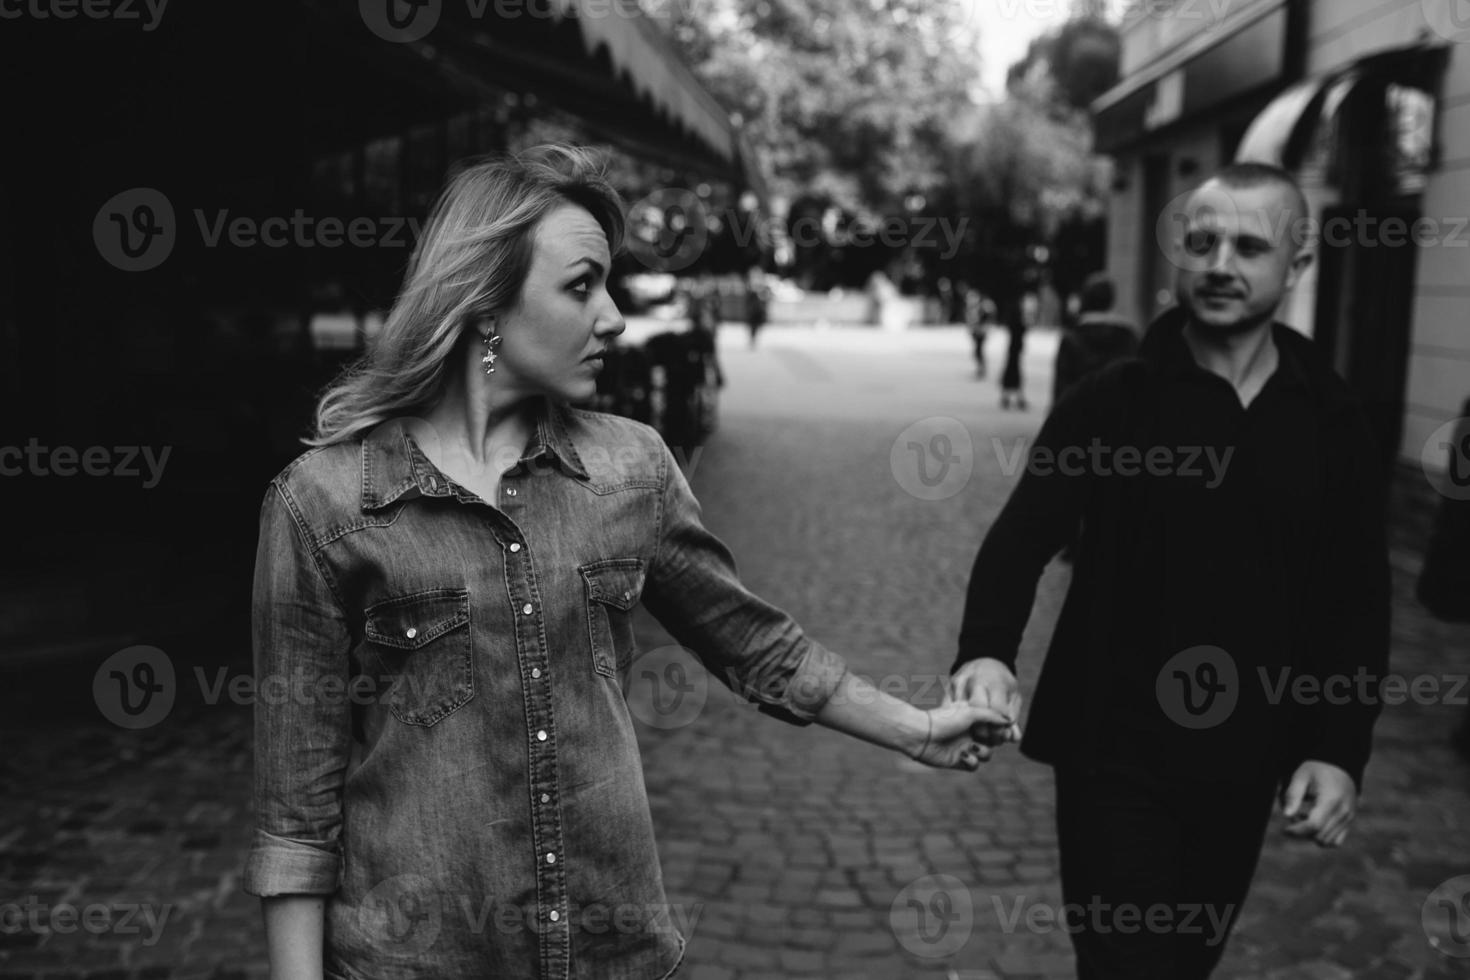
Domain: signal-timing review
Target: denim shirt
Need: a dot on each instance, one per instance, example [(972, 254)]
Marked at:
[(443, 747)]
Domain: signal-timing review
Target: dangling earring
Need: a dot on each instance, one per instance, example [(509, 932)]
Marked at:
[(492, 344)]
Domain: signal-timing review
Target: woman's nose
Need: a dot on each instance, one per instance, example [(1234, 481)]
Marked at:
[(610, 322)]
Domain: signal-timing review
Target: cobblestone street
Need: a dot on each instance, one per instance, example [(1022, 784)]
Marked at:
[(795, 853)]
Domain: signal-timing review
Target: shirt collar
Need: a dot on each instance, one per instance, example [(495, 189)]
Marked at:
[(1165, 345), (394, 465), (552, 437)]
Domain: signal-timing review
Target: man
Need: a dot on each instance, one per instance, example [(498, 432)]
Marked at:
[(1098, 338), (1232, 556)]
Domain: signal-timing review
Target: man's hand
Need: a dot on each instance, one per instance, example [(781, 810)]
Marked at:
[(989, 683), (1320, 802)]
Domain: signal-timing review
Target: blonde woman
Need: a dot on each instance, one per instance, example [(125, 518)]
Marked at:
[(452, 787)]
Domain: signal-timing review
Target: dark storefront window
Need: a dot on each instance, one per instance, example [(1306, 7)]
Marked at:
[(381, 175)]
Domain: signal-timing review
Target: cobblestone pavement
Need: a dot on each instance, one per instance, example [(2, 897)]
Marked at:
[(798, 853)]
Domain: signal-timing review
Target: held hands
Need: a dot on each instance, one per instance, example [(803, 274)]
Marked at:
[(1320, 802), (990, 683), (982, 703), (956, 734)]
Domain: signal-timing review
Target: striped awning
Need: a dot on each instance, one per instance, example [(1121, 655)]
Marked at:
[(639, 51)]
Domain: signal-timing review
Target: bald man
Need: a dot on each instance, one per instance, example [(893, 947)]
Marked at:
[(1228, 611)]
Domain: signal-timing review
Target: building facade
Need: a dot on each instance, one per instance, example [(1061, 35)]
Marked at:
[(1368, 103)]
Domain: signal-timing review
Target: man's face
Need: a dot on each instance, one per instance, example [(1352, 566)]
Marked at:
[(1239, 255)]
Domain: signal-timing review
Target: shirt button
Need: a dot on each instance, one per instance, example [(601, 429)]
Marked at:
[(555, 916), (551, 859), (510, 491), (514, 548), (541, 735), (545, 797), (528, 609), (411, 632), (535, 671)]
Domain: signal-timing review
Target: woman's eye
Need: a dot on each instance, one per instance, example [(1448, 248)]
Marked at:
[(581, 288)]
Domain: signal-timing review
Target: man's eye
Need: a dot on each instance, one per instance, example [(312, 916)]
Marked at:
[(1200, 242)]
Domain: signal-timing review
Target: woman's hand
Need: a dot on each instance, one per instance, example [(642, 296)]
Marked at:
[(960, 734)]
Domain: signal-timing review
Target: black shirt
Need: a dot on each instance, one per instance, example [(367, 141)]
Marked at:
[(1239, 547)]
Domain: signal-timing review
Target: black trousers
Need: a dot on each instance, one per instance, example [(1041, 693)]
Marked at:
[(1154, 868)]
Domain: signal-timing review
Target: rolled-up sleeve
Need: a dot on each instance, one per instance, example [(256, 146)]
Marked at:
[(754, 648), (302, 716)]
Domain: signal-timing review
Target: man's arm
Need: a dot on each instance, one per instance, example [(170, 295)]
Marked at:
[(1351, 630), (1352, 621), (1042, 514)]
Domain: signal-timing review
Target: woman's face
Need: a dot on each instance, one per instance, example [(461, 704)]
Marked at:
[(555, 335)]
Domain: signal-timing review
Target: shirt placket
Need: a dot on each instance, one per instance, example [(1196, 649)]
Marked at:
[(552, 906)]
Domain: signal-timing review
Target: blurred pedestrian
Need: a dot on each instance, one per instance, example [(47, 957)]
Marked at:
[(1011, 383), (1444, 582), (1097, 338), (980, 313), (1199, 587), (757, 298), (445, 587)]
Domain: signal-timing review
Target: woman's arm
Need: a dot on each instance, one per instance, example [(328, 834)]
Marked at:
[(293, 936), (302, 740), (761, 653), (942, 737)]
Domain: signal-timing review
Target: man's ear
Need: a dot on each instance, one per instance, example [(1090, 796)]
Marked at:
[(1299, 265)]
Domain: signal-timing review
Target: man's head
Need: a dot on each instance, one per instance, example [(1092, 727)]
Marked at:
[(1242, 247), (1098, 294)]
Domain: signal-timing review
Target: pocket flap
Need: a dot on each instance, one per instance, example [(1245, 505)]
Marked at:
[(616, 582), (410, 621)]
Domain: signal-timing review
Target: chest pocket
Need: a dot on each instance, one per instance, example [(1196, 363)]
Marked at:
[(423, 641), (613, 588)]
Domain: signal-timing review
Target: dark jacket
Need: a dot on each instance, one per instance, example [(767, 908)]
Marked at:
[(1278, 559), (1097, 340)]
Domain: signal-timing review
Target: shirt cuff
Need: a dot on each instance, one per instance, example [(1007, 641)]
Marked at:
[(815, 680), (283, 866)]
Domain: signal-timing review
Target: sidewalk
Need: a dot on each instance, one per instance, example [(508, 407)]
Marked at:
[(807, 853)]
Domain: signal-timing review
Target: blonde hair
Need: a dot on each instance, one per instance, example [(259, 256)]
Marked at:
[(470, 262)]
